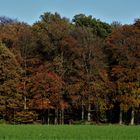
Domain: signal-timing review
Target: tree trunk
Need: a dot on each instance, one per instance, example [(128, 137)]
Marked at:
[(25, 74), (62, 119), (56, 117), (14, 116), (43, 116), (83, 112), (89, 112), (25, 104), (132, 116), (120, 117), (48, 119)]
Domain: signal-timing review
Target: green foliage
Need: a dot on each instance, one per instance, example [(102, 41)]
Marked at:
[(25, 117), (98, 27)]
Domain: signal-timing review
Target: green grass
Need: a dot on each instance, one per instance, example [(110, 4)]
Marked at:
[(69, 132)]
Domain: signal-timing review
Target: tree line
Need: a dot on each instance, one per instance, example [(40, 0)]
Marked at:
[(58, 71)]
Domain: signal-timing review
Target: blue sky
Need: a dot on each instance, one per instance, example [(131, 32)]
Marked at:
[(124, 11)]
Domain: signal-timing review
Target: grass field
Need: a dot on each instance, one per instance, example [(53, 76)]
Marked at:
[(69, 132)]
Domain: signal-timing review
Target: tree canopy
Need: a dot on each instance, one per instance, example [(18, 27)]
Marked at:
[(59, 71)]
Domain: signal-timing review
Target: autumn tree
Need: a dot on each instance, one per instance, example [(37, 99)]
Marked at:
[(56, 71), (45, 87), (9, 77), (124, 47), (88, 74), (18, 37), (53, 47)]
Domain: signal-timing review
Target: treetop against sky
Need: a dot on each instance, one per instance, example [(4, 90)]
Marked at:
[(124, 11)]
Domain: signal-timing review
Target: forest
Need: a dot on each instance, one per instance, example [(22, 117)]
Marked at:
[(58, 71)]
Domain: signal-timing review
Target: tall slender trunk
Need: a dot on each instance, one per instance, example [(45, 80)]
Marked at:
[(89, 112), (25, 99), (43, 116), (62, 116), (56, 117), (120, 117), (83, 113), (132, 116), (14, 116), (25, 75), (25, 103), (48, 118)]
